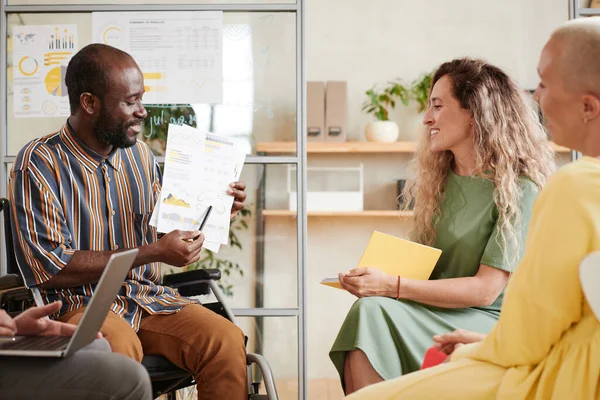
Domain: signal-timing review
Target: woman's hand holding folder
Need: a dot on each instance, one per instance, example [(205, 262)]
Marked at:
[(365, 282)]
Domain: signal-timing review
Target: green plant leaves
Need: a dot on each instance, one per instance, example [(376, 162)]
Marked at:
[(380, 102), (420, 90)]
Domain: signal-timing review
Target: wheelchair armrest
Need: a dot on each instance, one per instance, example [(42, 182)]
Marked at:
[(11, 281), (181, 278), (192, 283), (16, 300)]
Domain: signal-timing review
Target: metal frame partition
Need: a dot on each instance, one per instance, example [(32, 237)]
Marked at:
[(3, 118), (576, 11), (261, 160)]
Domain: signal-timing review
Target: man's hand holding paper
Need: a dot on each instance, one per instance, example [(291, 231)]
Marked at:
[(179, 248), (238, 191)]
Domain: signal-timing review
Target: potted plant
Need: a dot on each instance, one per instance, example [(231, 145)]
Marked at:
[(420, 89), (379, 103), (419, 92)]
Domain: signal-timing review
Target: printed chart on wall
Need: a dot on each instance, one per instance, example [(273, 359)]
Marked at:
[(180, 53), (40, 57)]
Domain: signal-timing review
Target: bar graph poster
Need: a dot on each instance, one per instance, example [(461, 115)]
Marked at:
[(179, 53), (40, 57)]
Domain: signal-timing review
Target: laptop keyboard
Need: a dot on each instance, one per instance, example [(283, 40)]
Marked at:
[(35, 343)]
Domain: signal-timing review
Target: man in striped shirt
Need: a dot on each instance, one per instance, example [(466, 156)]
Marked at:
[(87, 191)]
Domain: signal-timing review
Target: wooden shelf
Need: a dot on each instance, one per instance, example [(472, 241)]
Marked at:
[(366, 213), (352, 147), (338, 147)]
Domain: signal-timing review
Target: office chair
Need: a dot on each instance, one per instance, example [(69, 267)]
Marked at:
[(166, 377)]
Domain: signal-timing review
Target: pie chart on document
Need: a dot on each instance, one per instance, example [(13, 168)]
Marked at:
[(55, 81)]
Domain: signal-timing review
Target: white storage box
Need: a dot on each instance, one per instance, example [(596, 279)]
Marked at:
[(330, 189)]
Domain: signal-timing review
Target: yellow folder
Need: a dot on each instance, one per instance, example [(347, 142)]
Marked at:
[(395, 256)]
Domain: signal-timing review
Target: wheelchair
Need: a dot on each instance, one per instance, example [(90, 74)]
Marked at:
[(166, 378)]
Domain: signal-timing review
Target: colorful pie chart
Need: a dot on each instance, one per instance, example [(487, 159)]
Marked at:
[(55, 81)]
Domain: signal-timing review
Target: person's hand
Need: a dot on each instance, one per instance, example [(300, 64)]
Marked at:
[(365, 282), (7, 325), (35, 322), (449, 342), (237, 190), (180, 248)]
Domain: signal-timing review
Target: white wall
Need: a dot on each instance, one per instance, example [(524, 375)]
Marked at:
[(379, 40)]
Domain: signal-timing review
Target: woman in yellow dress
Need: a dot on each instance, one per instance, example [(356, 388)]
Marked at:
[(546, 344)]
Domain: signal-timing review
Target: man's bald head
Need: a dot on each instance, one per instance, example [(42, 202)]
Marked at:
[(577, 51), (90, 71)]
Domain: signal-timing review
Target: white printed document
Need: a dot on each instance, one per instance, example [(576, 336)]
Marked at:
[(198, 169), (180, 53)]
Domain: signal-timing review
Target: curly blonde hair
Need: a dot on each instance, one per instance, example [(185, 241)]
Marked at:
[(510, 143)]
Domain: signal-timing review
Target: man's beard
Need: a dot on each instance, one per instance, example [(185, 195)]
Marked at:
[(112, 133)]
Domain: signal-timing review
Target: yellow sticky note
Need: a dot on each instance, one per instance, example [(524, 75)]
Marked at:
[(396, 256)]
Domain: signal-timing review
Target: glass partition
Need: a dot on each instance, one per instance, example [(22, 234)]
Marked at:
[(259, 83), (78, 2), (263, 265)]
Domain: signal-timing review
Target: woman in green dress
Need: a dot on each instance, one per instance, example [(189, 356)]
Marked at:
[(480, 165)]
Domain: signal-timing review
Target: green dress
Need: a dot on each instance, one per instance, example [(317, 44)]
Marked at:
[(394, 334)]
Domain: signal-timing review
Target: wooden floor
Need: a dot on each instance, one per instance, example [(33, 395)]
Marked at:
[(318, 389), (325, 389)]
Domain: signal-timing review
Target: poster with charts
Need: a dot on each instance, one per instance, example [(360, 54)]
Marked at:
[(179, 53), (40, 57)]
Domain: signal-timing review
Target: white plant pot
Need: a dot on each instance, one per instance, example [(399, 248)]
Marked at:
[(382, 131)]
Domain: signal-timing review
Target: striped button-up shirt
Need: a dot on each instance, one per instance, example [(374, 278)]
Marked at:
[(66, 197)]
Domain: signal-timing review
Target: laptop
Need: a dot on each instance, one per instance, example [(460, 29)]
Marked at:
[(95, 313)]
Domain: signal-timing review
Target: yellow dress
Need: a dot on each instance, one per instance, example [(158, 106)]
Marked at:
[(546, 344)]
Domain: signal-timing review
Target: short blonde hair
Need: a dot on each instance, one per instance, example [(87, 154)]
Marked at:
[(579, 61)]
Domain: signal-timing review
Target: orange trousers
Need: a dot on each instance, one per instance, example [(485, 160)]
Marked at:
[(194, 339)]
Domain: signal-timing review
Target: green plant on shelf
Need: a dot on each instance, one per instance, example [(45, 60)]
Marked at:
[(228, 268), (380, 101), (420, 89)]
